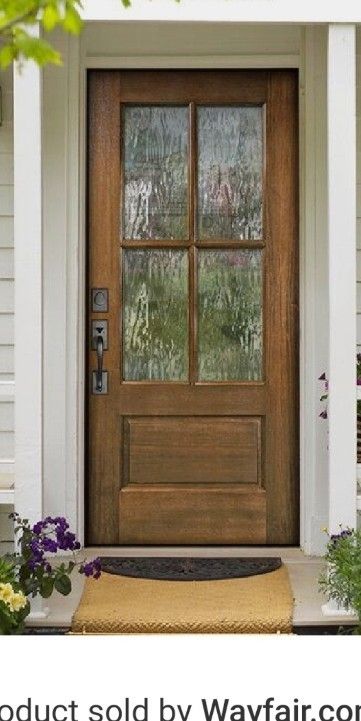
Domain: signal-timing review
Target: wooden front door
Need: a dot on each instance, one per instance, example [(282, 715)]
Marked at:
[(193, 266)]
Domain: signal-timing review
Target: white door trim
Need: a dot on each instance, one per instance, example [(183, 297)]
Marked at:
[(159, 62), (239, 62), (341, 127), (312, 268)]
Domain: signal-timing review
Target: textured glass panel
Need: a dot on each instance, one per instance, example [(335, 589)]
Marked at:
[(229, 315), (155, 315), (156, 172), (230, 172)]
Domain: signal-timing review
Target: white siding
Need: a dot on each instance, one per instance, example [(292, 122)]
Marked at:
[(6, 292)]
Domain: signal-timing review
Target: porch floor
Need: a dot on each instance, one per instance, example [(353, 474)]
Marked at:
[(303, 571)]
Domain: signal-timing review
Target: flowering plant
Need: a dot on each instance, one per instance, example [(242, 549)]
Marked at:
[(342, 579), (14, 606), (32, 572)]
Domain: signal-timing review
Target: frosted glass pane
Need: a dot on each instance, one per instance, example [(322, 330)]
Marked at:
[(155, 315), (230, 149), (156, 173), (229, 315)]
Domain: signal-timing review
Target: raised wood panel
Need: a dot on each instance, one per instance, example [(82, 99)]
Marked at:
[(157, 515), (6, 358), (6, 234), (6, 295), (192, 450), (6, 262)]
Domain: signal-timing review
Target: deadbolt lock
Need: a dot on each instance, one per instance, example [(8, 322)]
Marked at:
[(99, 300)]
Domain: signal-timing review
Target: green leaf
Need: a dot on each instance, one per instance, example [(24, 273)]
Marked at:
[(8, 54), (72, 22), (46, 586), (50, 18), (63, 584), (36, 49)]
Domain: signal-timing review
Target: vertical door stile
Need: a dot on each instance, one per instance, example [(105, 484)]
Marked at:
[(192, 209), (121, 241)]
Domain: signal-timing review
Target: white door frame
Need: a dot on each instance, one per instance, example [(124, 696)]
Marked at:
[(65, 457)]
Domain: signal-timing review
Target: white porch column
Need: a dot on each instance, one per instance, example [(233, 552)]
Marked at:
[(28, 299), (341, 132), (28, 292)]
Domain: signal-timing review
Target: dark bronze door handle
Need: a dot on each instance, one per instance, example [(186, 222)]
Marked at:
[(100, 348)]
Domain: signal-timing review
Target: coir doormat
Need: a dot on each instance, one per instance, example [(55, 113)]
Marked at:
[(120, 604), (189, 569)]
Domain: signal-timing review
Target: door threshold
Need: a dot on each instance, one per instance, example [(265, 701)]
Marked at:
[(288, 554)]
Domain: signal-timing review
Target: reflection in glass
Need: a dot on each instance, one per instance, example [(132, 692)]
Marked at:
[(155, 315), (156, 170), (229, 315), (230, 172)]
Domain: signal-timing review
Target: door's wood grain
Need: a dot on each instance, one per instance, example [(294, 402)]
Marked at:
[(281, 310), (192, 515), (234, 443), (199, 450), (102, 456)]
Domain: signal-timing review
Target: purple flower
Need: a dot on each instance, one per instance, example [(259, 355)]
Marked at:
[(336, 537), (49, 545), (38, 527), (66, 540), (91, 569)]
